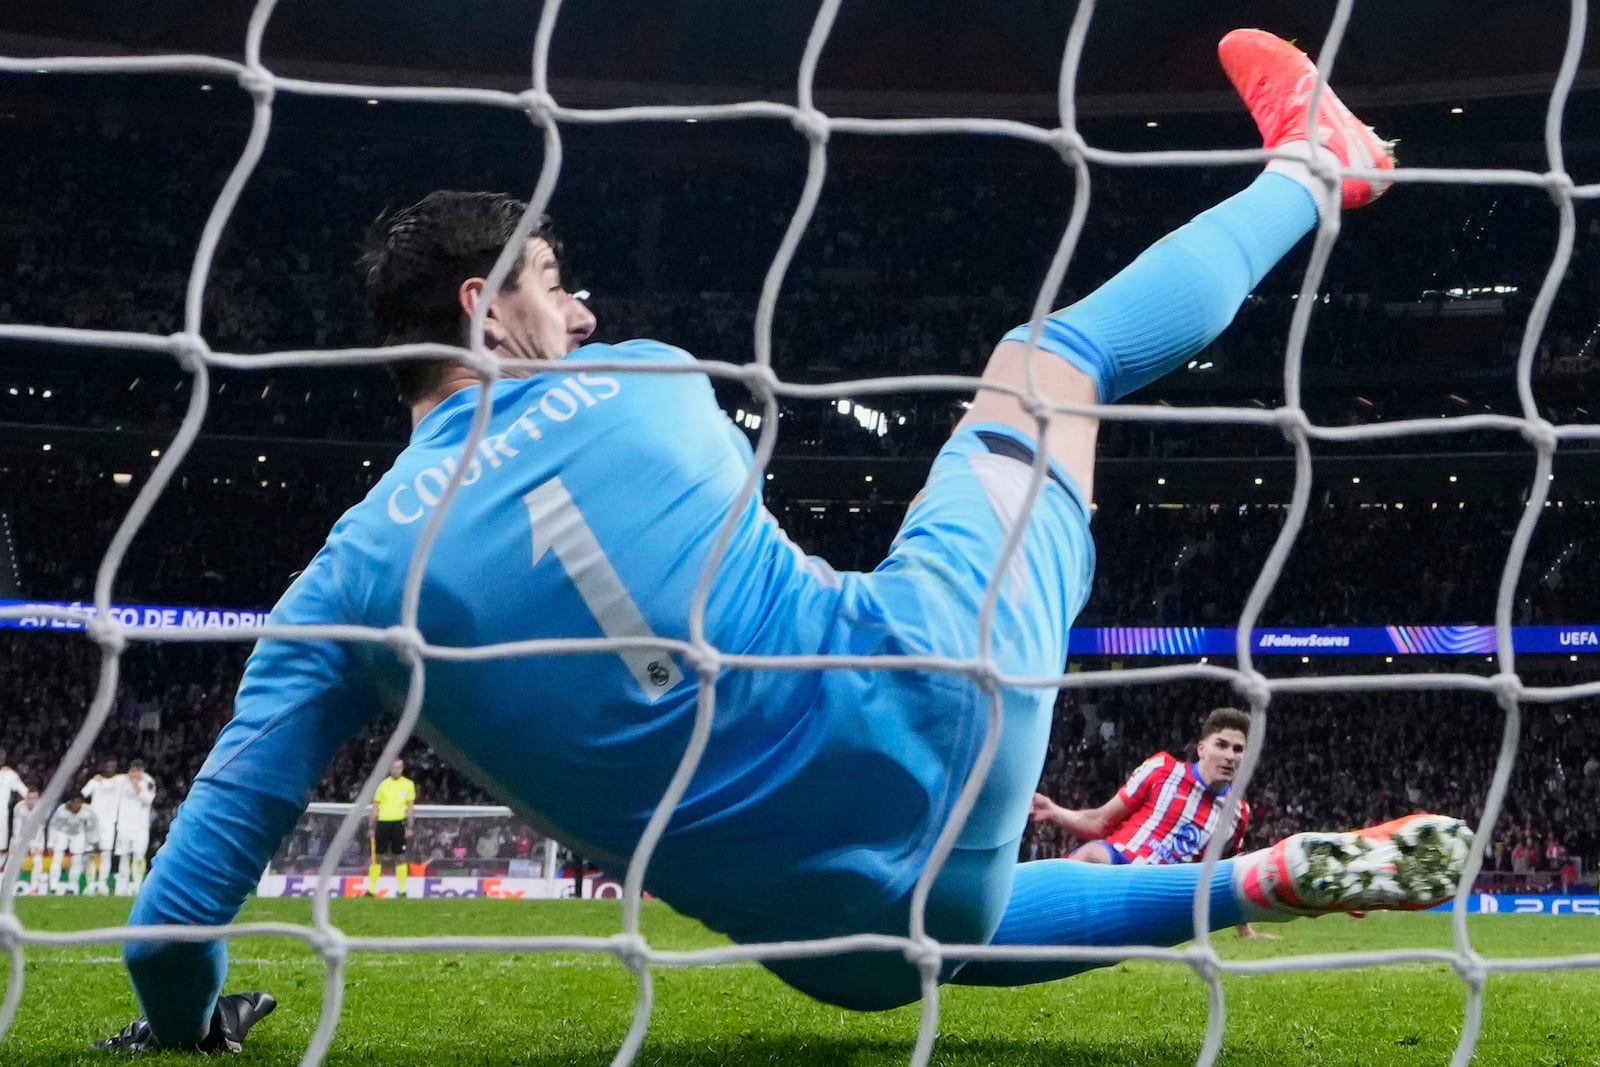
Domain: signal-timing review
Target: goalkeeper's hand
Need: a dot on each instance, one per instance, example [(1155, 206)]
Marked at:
[(231, 1020)]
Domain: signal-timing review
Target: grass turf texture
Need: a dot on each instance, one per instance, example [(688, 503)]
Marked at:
[(542, 1010)]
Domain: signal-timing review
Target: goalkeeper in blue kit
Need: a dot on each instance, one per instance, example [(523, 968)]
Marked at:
[(590, 510)]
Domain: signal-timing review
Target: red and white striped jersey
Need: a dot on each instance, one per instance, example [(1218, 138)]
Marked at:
[(1173, 814)]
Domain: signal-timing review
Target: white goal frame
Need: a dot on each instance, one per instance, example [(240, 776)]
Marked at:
[(189, 349), (424, 812)]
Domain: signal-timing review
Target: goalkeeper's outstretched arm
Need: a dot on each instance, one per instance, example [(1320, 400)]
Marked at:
[(298, 702)]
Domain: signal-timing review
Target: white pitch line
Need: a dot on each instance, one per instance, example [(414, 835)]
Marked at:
[(590, 961)]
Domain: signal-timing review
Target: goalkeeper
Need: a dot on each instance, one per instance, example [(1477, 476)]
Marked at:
[(590, 510)]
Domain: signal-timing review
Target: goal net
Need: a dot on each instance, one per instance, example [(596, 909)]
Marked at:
[(339, 838)]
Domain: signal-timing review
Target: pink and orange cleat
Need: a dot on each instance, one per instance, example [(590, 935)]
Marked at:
[(1276, 81), (1406, 864)]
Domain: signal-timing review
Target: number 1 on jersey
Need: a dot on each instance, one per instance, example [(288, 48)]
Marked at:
[(559, 528)]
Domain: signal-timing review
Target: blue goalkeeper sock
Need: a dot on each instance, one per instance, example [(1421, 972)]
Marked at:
[(1064, 902), (1182, 292)]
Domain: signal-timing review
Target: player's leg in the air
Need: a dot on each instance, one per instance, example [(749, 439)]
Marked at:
[(1171, 302), (1147, 320), (1182, 293)]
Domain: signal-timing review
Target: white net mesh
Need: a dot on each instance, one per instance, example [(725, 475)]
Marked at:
[(189, 348)]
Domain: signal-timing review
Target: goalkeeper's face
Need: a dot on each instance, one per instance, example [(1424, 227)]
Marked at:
[(1220, 755), (539, 319)]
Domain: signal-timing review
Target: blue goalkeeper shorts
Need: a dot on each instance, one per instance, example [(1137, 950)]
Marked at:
[(930, 592)]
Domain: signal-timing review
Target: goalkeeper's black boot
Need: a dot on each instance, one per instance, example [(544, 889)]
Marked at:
[(231, 1020), (135, 1037), (235, 1014)]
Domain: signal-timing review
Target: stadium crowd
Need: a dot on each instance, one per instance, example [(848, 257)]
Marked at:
[(107, 201), (150, 397), (1329, 761), (230, 537), (230, 541), (233, 542)]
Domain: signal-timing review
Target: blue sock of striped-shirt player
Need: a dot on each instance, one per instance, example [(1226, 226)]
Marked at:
[(1163, 308)]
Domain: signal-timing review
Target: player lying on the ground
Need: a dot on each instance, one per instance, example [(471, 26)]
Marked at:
[(1168, 810), (591, 509)]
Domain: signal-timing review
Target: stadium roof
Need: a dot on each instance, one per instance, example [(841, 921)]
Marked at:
[(952, 57)]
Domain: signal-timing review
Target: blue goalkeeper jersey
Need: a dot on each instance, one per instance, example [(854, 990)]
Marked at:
[(590, 510)]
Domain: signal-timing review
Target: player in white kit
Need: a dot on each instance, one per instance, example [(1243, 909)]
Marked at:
[(73, 833), (133, 828), (104, 792), (10, 783), (34, 848)]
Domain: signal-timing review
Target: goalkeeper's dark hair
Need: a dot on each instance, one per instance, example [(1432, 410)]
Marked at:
[(1225, 719), (412, 264)]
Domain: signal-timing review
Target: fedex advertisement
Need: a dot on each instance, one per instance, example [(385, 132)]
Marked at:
[(424, 887)]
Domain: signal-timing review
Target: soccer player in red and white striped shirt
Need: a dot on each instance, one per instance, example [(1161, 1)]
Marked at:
[(1168, 810)]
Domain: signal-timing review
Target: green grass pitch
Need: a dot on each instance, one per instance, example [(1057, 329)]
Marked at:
[(542, 1010)]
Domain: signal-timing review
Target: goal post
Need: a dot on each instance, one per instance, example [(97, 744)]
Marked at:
[(456, 850)]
